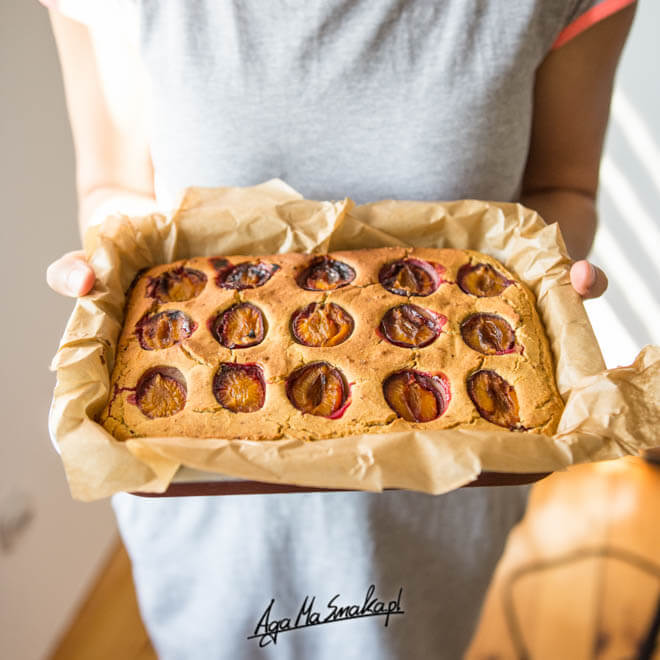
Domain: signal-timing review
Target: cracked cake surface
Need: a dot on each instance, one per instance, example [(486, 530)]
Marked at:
[(353, 342)]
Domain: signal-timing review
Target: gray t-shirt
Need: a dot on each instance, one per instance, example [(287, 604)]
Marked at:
[(386, 99)]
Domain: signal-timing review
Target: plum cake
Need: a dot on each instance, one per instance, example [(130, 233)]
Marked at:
[(353, 342)]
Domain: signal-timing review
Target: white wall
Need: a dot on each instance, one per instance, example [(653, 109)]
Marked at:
[(46, 572), (52, 562), (628, 241)]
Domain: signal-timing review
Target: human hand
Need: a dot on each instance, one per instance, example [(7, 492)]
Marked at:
[(588, 280), (71, 275)]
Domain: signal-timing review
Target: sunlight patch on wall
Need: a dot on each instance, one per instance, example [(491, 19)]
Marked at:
[(638, 135)]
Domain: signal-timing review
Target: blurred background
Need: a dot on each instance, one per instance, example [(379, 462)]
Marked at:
[(52, 548)]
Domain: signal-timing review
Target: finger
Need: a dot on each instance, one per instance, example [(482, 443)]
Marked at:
[(71, 275), (588, 280)]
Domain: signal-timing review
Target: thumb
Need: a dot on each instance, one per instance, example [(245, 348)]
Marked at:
[(71, 275), (588, 280)]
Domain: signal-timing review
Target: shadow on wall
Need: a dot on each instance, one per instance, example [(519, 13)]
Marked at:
[(626, 246)]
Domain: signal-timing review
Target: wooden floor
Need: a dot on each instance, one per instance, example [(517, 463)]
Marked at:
[(108, 625), (579, 579)]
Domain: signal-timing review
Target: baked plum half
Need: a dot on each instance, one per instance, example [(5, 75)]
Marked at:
[(161, 392), (165, 329), (411, 277), (417, 396), (246, 275), (176, 285), (488, 334), (319, 389), (321, 325), (324, 274), (411, 326), (481, 280), (494, 398), (241, 326), (239, 388)]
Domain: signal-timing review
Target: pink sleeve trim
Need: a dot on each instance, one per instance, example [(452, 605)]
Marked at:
[(601, 11)]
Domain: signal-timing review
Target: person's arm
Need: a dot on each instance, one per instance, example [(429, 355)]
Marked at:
[(106, 99), (571, 108), (105, 95)]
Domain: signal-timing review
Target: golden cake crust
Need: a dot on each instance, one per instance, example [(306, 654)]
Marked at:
[(365, 359)]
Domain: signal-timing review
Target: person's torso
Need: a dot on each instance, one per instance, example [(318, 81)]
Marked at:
[(371, 100)]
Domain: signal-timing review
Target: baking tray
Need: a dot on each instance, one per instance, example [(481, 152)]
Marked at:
[(189, 482)]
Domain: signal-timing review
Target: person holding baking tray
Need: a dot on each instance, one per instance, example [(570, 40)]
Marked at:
[(406, 99)]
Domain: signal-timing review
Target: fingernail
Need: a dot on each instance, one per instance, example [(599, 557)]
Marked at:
[(76, 279), (592, 275)]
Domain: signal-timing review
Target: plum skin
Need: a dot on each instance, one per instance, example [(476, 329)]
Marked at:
[(229, 276), (345, 322), (429, 318), (339, 406), (433, 271), (493, 347), (249, 370), (501, 396), (340, 274), (161, 286), (437, 384), (496, 282), (146, 328), (218, 326), (175, 384)]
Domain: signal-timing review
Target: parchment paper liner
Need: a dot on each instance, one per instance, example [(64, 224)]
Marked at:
[(608, 413)]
